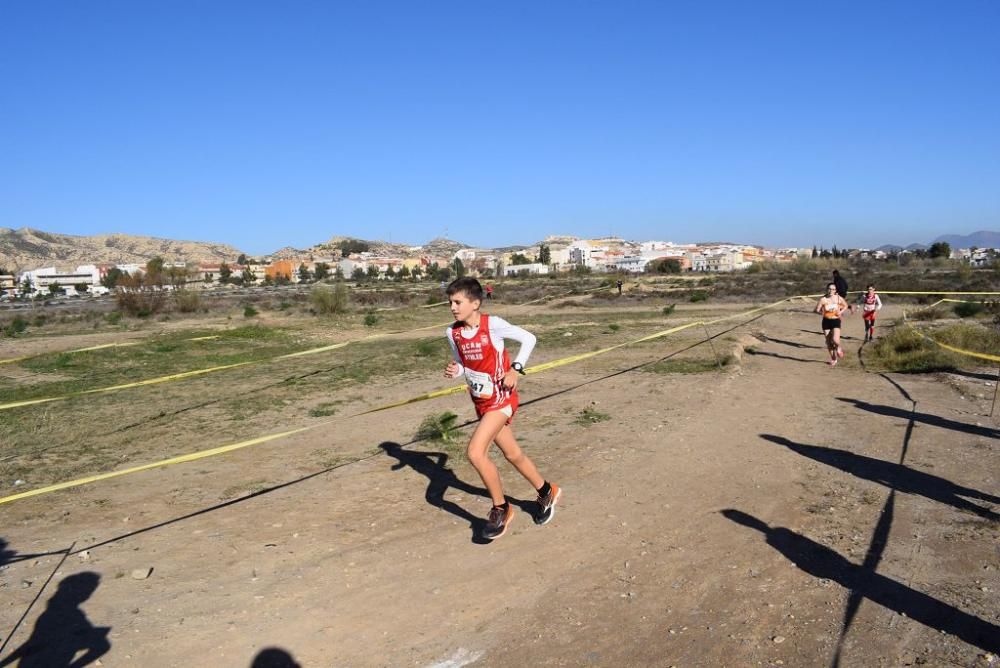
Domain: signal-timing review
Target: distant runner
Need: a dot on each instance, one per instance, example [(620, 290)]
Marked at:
[(832, 306), (477, 343), (619, 285), (870, 305), (489, 292)]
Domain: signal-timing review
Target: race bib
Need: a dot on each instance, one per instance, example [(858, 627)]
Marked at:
[(480, 384)]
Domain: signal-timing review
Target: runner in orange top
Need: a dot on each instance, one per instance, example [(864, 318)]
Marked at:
[(477, 344), (832, 306)]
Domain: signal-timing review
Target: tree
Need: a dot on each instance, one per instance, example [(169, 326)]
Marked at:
[(432, 271), (544, 255), (390, 273), (417, 273), (225, 273), (372, 272), (81, 287), (404, 273), (815, 252), (458, 268), (248, 277), (444, 273), (304, 274), (110, 279), (322, 270), (242, 259), (939, 249), (358, 274), (518, 258), (349, 246), (154, 271), (55, 289), (666, 266), (26, 286)]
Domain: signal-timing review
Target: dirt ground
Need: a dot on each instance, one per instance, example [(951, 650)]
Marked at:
[(779, 512)]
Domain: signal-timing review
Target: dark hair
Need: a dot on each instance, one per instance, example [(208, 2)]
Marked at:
[(836, 272), (833, 284), (870, 286), (472, 288)]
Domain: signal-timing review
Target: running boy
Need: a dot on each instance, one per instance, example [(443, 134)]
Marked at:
[(832, 306), (477, 344), (870, 305)]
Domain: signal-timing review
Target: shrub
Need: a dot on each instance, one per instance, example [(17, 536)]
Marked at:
[(968, 309), (371, 320), (439, 427), (699, 296), (327, 301), (114, 317), (905, 350), (140, 297), (17, 326), (591, 415), (249, 311), (187, 301), (667, 310)]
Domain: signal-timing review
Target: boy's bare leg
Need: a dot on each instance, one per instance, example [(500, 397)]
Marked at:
[(478, 453), (512, 451)]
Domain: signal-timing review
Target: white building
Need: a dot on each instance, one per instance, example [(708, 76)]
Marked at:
[(518, 269)]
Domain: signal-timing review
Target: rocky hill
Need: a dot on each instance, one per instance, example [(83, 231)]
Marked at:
[(981, 239), (26, 249)]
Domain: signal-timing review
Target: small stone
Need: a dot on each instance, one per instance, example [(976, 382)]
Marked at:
[(25, 584), (778, 639), (142, 573), (84, 556), (18, 483)]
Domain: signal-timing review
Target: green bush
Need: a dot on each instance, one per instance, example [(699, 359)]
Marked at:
[(698, 297), (187, 301), (438, 427), (904, 350), (328, 301), (249, 311), (17, 326), (968, 309), (668, 310), (371, 320)]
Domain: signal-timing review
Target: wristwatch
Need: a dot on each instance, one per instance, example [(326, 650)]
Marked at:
[(518, 367)]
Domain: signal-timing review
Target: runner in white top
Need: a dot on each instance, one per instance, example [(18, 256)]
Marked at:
[(500, 329)]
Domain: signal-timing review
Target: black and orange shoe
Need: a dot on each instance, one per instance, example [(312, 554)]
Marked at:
[(498, 521), (547, 504)]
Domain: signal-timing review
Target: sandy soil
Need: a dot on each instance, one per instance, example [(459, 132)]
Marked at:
[(780, 513)]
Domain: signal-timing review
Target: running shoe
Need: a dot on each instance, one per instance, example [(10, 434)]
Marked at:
[(547, 504), (498, 521), (840, 353), (832, 362)]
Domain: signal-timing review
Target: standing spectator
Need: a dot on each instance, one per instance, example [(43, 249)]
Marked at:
[(489, 292), (841, 284), (618, 284)]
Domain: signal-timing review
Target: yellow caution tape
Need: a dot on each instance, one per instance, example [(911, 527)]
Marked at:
[(123, 344), (201, 372), (166, 462), (423, 397), (954, 349)]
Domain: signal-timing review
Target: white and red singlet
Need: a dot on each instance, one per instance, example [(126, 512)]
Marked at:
[(484, 361)]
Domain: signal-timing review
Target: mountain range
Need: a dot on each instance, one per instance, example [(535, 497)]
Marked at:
[(26, 248)]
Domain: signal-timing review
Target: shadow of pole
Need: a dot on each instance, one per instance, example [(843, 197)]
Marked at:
[(822, 562)]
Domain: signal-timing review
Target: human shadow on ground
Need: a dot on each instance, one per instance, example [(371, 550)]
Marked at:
[(925, 418), (843, 337), (434, 467), (822, 562), (274, 657), (793, 344), (63, 630), (895, 476), (6, 556), (779, 356)]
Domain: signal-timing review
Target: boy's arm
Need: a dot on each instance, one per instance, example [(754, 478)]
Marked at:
[(504, 330), (455, 356), (878, 303)]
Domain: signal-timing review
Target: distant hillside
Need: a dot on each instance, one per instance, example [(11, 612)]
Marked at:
[(981, 239), (438, 247), (26, 249)]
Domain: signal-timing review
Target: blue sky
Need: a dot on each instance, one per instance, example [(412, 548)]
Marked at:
[(266, 124)]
